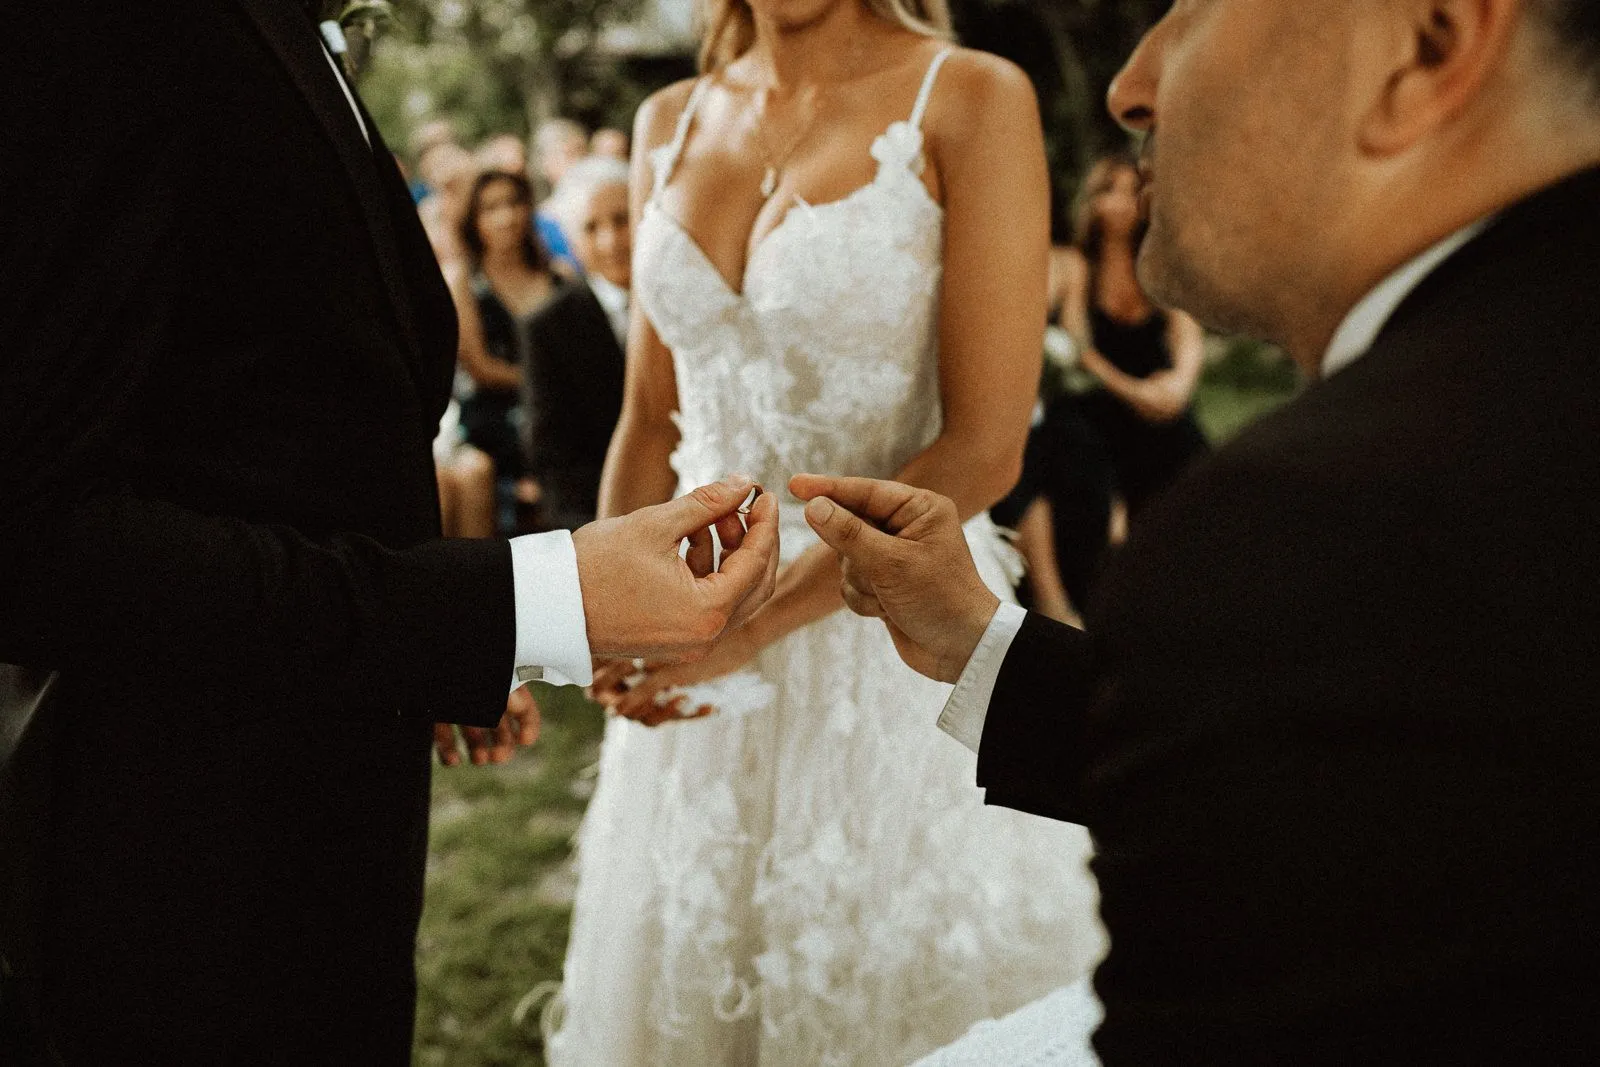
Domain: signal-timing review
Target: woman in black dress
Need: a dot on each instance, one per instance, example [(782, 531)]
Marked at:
[(506, 279), (1146, 361)]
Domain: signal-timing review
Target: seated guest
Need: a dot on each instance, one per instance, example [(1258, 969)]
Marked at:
[(506, 278), (609, 142), (558, 145), (575, 344), (449, 171), (504, 153), (428, 137)]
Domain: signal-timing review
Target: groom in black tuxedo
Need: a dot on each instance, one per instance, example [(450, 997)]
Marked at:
[(224, 351), (1335, 719)]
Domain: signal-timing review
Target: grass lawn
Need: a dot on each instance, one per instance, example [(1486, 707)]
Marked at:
[(500, 889), (499, 880)]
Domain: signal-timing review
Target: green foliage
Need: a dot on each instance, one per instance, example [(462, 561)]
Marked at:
[(504, 65), (489, 66), (1243, 381)]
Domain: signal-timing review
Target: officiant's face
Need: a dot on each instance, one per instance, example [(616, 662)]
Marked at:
[(1249, 108)]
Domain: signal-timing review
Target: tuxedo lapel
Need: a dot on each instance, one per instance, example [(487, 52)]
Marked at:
[(293, 40)]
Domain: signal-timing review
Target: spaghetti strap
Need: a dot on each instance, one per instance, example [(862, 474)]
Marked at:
[(666, 157), (927, 87)]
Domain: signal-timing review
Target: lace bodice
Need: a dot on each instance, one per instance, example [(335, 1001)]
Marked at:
[(827, 361)]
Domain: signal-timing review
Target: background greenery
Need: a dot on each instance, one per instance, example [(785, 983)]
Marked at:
[(492, 66)]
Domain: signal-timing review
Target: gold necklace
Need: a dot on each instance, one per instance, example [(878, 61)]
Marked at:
[(774, 162)]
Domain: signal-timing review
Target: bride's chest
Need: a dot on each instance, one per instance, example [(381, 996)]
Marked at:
[(839, 279)]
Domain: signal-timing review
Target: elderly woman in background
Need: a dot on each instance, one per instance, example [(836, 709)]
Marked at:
[(576, 343)]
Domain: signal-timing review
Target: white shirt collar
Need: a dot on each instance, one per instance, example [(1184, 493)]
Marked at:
[(338, 76), (614, 300), (1367, 319)]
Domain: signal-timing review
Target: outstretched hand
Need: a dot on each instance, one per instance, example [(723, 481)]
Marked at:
[(642, 599), (905, 561)]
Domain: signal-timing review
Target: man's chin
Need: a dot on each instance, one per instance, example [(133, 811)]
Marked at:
[(1151, 267)]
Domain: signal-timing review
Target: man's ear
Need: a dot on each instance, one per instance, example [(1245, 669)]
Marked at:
[(1453, 48)]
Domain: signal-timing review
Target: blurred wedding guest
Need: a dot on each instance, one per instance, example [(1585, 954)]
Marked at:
[(609, 142), (426, 138), (504, 152), (1062, 506), (576, 342), (557, 145), (466, 481), (449, 171), (1147, 361), (504, 279)]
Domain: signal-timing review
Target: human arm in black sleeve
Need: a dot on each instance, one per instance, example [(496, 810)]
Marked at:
[(1032, 756), (96, 576)]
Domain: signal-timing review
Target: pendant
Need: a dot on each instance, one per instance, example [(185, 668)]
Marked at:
[(769, 183)]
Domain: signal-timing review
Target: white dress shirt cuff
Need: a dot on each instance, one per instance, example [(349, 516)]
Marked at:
[(552, 633), (968, 707)]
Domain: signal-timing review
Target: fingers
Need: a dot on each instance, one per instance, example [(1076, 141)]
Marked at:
[(704, 507), (444, 743), (862, 603), (479, 744), (748, 575), (845, 533), (730, 531), (639, 702), (505, 741), (872, 499), (701, 556), (522, 719), (765, 513), (610, 678), (858, 593), (648, 703)]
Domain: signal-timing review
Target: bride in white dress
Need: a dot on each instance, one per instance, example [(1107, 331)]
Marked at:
[(840, 256)]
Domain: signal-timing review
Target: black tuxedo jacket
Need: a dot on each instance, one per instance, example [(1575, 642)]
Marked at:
[(226, 350), (574, 369), (1337, 728)]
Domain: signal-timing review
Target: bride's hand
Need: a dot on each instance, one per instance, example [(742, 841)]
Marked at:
[(638, 701)]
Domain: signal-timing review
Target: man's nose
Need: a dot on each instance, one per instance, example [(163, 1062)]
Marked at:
[(1132, 96)]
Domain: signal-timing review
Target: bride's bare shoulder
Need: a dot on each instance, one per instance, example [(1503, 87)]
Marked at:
[(657, 118), (977, 88)]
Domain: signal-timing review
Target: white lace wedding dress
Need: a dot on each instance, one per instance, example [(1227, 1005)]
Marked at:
[(815, 880)]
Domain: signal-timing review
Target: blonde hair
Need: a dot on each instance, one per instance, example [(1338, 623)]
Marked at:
[(728, 27)]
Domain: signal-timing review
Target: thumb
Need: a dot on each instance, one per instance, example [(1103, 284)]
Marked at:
[(845, 532), (704, 506)]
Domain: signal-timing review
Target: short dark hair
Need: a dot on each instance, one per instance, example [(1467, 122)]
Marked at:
[(1575, 28), (533, 251)]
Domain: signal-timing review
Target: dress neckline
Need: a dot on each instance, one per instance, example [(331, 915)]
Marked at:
[(653, 209), (904, 133)]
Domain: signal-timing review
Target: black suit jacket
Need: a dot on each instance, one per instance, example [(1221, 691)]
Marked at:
[(226, 349), (1337, 728), (574, 370)]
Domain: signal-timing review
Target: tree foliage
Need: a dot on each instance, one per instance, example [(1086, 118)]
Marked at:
[(496, 65)]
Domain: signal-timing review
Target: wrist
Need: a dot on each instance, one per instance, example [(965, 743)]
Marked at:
[(967, 633)]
